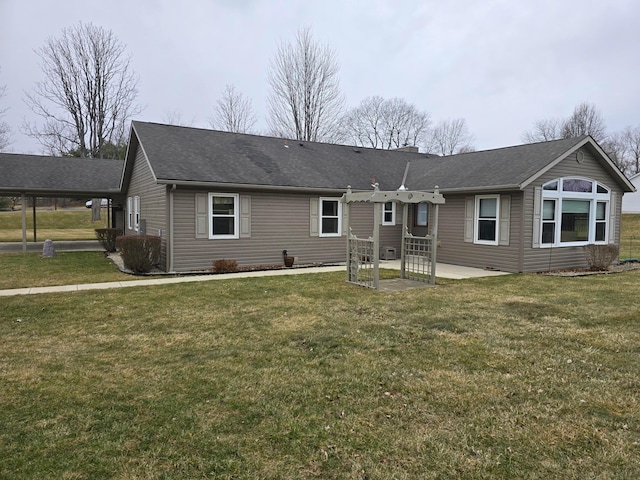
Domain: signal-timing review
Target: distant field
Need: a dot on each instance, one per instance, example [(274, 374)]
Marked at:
[(630, 236), (54, 224)]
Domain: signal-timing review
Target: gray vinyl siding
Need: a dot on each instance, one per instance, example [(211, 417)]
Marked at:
[(362, 218), (153, 202), (558, 258), (453, 249), (279, 221)]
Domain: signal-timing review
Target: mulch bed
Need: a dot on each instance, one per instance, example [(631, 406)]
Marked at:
[(618, 268)]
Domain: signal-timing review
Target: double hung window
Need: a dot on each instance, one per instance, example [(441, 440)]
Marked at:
[(487, 215), (389, 213), (330, 217), (223, 212)]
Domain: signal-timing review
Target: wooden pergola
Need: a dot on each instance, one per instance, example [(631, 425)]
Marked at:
[(418, 254)]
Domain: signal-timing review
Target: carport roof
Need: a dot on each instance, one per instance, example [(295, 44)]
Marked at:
[(59, 176)]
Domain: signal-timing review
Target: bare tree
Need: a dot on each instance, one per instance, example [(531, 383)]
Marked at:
[(543, 131), (174, 117), (616, 147), (450, 137), (632, 140), (586, 119), (233, 112), (305, 101), (88, 94), (385, 124), (5, 129)]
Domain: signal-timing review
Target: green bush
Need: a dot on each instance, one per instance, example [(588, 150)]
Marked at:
[(5, 204), (139, 252), (600, 257), (107, 237), (225, 266)]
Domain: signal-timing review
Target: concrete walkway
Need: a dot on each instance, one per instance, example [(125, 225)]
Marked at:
[(442, 271)]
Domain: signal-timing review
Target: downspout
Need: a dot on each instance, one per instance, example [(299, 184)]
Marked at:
[(170, 246)]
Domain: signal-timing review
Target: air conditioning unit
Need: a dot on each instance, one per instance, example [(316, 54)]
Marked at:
[(388, 253)]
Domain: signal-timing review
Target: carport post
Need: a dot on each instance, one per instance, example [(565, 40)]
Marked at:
[(35, 237), (23, 201)]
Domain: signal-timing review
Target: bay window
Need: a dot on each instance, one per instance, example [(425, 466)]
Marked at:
[(575, 211)]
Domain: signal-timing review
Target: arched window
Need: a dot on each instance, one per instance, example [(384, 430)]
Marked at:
[(575, 211)]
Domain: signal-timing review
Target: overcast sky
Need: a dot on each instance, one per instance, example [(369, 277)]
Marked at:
[(500, 64)]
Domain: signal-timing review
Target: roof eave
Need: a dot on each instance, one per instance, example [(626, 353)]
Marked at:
[(484, 188), (248, 186)]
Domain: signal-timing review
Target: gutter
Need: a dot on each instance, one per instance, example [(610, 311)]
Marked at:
[(489, 188), (247, 186)]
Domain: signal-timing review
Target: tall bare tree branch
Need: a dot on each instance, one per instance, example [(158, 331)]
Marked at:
[(88, 94), (5, 129), (233, 112), (450, 137), (305, 101), (385, 124), (543, 131), (586, 119)]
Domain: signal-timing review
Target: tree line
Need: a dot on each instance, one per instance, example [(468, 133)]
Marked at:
[(88, 93), (623, 147), (305, 103)]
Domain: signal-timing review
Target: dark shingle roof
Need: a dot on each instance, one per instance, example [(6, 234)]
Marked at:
[(507, 167), (183, 155), (36, 174)]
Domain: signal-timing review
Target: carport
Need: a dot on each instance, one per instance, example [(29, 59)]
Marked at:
[(68, 177)]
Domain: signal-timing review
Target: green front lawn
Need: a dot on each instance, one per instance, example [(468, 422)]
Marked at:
[(66, 268), (521, 376), (54, 224)]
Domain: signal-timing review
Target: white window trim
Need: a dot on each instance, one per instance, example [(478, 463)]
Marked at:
[(593, 197), (136, 213), (476, 218), (320, 217), (130, 213), (236, 216), (392, 222)]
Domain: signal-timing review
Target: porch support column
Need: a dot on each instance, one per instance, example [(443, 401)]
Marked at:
[(405, 231), (347, 215), (377, 216), (23, 201), (434, 245)]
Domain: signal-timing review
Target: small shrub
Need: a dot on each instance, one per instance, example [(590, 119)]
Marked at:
[(139, 252), (5, 204), (107, 237), (225, 266), (600, 257)]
